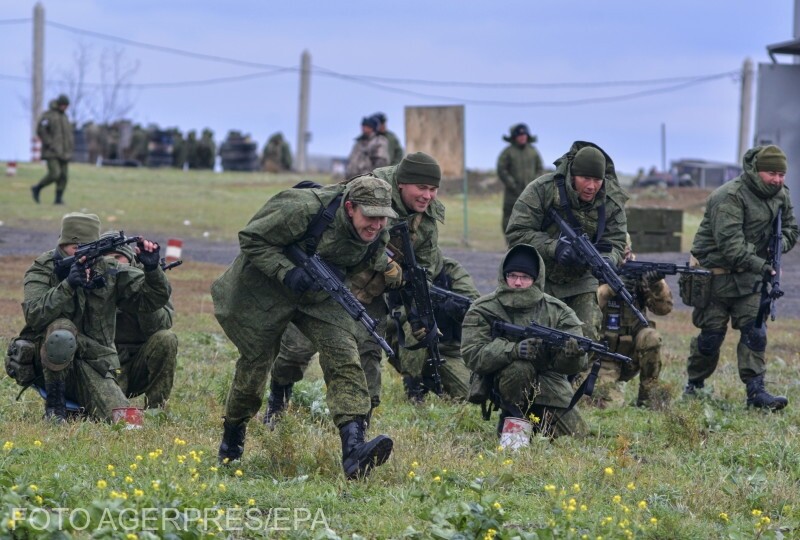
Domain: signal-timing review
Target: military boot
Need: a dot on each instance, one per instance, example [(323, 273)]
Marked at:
[(415, 390), (758, 397), (693, 389), (359, 457), (59, 197), (35, 192), (278, 400), (55, 404), (232, 446)]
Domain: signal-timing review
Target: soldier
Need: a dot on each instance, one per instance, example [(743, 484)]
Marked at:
[(70, 320), (277, 156), (263, 291), (369, 151), (415, 182), (395, 148), (55, 131), (518, 165), (732, 242), (529, 377), (626, 335), (585, 191), (146, 346), (206, 150)]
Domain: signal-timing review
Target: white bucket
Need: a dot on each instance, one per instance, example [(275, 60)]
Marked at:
[(516, 433)]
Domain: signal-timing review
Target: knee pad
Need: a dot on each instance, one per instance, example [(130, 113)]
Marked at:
[(709, 341), (753, 338), (59, 348)]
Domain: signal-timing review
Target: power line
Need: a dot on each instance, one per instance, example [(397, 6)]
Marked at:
[(15, 21)]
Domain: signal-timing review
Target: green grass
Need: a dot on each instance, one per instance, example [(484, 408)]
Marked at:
[(698, 469)]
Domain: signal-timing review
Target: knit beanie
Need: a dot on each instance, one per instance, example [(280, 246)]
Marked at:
[(125, 249), (589, 161), (78, 228), (772, 159), (522, 260), (419, 168)]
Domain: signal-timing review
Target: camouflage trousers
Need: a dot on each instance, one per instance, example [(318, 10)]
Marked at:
[(545, 395), (97, 393), (297, 351), (713, 324), (347, 394), (644, 350), (56, 174), (149, 368)]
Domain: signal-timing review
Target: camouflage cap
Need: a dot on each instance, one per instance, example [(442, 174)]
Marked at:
[(79, 228), (372, 194), (126, 249)]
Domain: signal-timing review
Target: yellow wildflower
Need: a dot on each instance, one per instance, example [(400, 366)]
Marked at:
[(631, 486), (608, 471), (155, 484), (129, 479), (617, 499), (576, 488), (131, 536), (251, 502), (239, 473), (133, 466), (723, 516), (411, 474), (550, 488), (534, 419), (38, 500), (508, 462), (414, 465), (756, 512), (497, 505), (138, 493), (179, 441), (8, 445), (33, 487), (654, 521), (437, 478), (642, 505), (139, 458), (101, 484), (222, 488), (110, 467), (37, 443)]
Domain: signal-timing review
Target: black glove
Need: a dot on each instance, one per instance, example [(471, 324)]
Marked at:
[(77, 275), (572, 349), (526, 349), (565, 255), (298, 280), (652, 278), (149, 259), (451, 308), (604, 246)]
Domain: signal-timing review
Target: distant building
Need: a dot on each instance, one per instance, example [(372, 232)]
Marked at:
[(706, 174)]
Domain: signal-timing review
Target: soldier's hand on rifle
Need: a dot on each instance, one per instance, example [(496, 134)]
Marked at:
[(572, 349), (565, 254), (78, 274), (652, 278), (298, 280), (393, 275), (767, 271), (148, 254), (527, 348), (421, 333)]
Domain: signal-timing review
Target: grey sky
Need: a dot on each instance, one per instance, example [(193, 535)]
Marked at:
[(531, 41)]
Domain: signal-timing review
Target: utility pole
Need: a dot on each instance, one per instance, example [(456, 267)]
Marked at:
[(37, 77), (663, 147), (745, 109), (302, 122)]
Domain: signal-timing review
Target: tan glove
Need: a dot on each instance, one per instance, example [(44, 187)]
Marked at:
[(393, 275), (526, 349), (572, 349)]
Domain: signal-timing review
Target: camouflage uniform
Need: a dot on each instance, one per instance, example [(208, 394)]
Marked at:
[(254, 307), (539, 386), (626, 335), (732, 242), (55, 131), (395, 148), (276, 156), (517, 166), (529, 224), (369, 152), (51, 304)]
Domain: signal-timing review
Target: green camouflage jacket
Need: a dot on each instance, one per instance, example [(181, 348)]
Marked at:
[(530, 224), (395, 148), (55, 132), (368, 152), (485, 355), (517, 167)]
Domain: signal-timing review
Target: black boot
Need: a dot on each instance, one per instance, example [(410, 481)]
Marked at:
[(359, 457), (692, 388), (232, 445), (278, 400), (758, 397), (501, 421), (35, 192), (415, 390), (59, 197), (55, 405)]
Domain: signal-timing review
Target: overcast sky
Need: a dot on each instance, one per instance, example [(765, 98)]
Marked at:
[(384, 45)]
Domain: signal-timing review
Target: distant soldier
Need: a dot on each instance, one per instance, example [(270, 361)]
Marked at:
[(395, 148), (369, 151), (732, 243), (206, 150), (518, 165), (190, 151), (277, 155), (55, 132)]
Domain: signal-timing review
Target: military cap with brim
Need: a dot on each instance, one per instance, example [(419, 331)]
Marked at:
[(373, 195)]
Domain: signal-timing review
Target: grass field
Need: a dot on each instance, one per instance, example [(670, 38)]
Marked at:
[(697, 469)]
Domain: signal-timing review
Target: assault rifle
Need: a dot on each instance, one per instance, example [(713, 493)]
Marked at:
[(94, 250), (599, 267), (170, 266), (553, 337), (440, 295), (771, 285), (416, 297), (636, 269), (329, 281)]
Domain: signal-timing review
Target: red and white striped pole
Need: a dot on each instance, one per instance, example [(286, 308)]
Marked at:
[(36, 149), (11, 168), (174, 248)]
